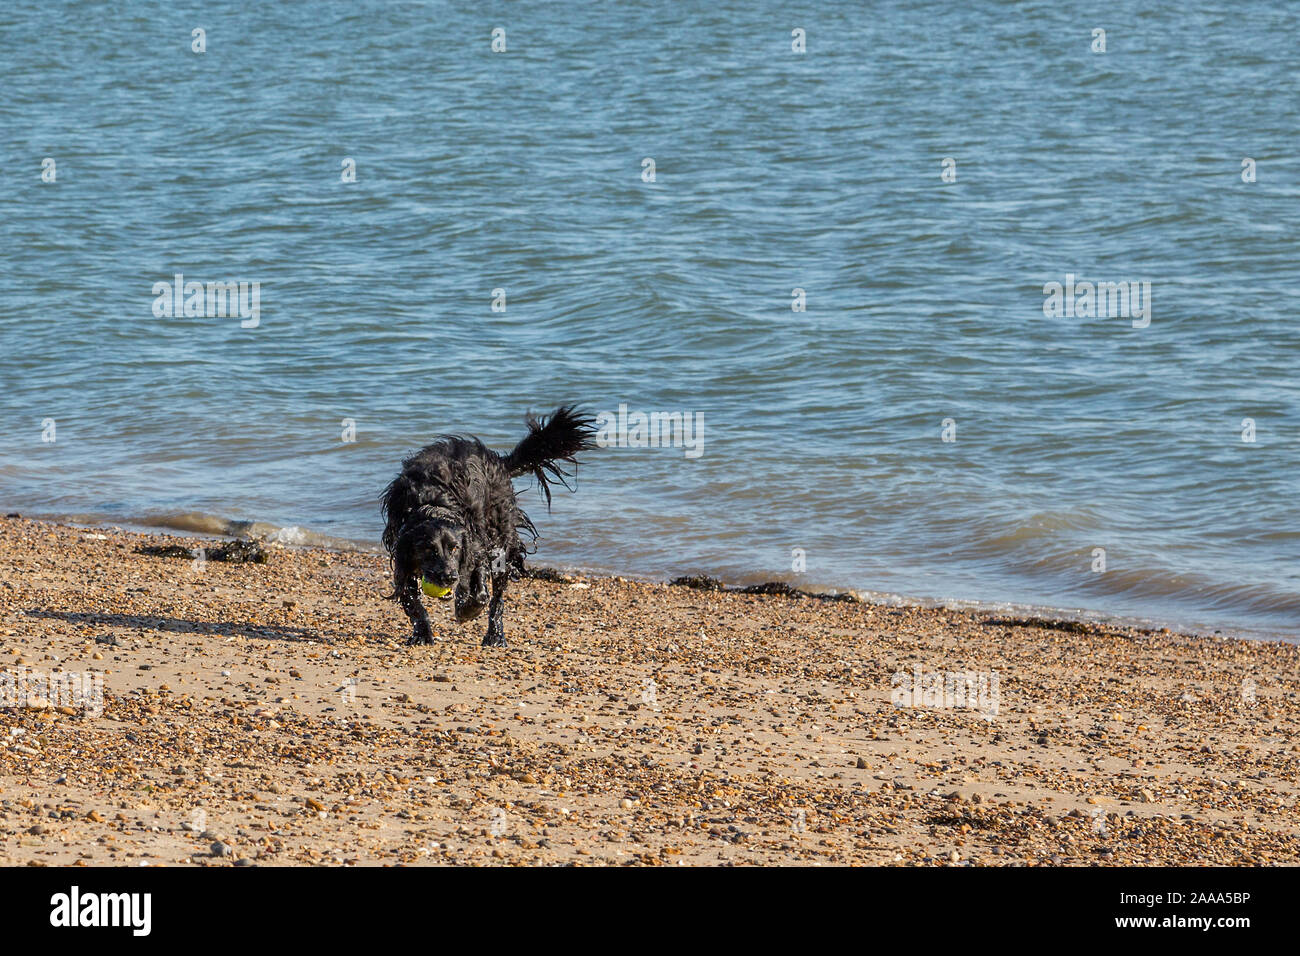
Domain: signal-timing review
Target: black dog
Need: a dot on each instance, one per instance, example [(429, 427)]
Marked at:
[(453, 519)]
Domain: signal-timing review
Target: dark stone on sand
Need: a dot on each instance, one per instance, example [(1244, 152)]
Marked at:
[(772, 587), (165, 551), (699, 582), (239, 552), (548, 574), (1043, 623), (233, 552), (702, 582), (850, 596)]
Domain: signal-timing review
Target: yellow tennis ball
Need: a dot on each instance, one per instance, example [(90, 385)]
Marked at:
[(433, 590)]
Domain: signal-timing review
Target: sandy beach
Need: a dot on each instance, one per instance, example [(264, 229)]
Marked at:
[(272, 714)]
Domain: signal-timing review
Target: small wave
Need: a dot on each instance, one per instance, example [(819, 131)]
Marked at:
[(200, 523)]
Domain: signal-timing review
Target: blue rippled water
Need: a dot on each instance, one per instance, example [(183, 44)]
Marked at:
[(522, 170)]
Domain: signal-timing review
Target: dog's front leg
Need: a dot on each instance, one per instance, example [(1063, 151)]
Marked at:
[(409, 595), (496, 632)]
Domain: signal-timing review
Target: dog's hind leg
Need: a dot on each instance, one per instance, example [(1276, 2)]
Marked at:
[(496, 633), (409, 596)]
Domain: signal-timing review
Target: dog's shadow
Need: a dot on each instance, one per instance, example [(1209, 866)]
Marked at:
[(176, 625)]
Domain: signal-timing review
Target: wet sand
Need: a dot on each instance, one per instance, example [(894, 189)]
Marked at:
[(257, 714)]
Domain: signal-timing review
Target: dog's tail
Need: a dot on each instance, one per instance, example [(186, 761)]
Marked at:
[(551, 440)]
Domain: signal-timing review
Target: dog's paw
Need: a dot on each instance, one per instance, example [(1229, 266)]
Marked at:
[(420, 637), (468, 612), (494, 640)]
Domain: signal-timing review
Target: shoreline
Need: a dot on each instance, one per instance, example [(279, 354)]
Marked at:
[(271, 714), (199, 525)]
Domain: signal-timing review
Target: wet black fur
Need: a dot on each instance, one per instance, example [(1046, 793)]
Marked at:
[(452, 517)]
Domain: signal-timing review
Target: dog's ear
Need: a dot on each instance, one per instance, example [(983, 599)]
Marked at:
[(404, 558), (469, 557)]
